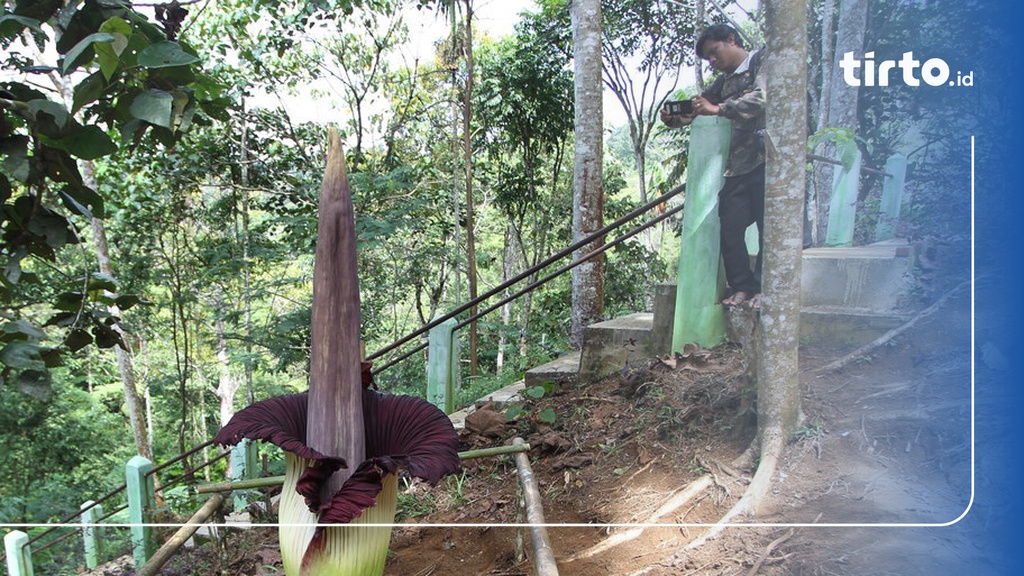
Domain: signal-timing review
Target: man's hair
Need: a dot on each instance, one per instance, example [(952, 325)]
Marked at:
[(720, 32)]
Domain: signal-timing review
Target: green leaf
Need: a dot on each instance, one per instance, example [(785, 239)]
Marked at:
[(83, 52), (106, 337), (153, 106), (83, 201), (88, 91), (16, 162), (22, 355), (126, 301), (100, 281), (51, 117), (54, 228), (69, 301), (63, 319), (78, 339), (513, 412), (109, 55), (87, 143), (12, 25), (5, 189), (535, 392), (23, 330), (164, 55), (547, 415), (35, 383)]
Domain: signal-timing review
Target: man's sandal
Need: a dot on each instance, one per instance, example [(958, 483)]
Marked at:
[(736, 299), (755, 302)]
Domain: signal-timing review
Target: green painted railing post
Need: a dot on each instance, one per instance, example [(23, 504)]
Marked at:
[(243, 467), (92, 534), (141, 501), (442, 365), (19, 556), (842, 211), (892, 197), (698, 317)]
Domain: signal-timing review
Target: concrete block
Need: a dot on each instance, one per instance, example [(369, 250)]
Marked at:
[(845, 329), (663, 318), (875, 278), (560, 371), (612, 345)]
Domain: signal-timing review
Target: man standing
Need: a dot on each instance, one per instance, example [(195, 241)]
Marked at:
[(737, 95)]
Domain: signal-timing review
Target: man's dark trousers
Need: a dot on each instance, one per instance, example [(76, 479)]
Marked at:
[(740, 204)]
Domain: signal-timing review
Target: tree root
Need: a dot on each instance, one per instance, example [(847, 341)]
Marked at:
[(673, 504), (752, 496), (768, 551)]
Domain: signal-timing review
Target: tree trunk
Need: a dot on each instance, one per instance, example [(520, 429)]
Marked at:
[(778, 390), (508, 260), (246, 255), (699, 26), (824, 95), (842, 99), (133, 403), (588, 197), (227, 383), (467, 148)]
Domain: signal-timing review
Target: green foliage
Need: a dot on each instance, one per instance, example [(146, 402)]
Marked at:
[(529, 410), (844, 140), (137, 81), (55, 449)]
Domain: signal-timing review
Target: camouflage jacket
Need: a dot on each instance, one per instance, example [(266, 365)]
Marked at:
[(740, 96)]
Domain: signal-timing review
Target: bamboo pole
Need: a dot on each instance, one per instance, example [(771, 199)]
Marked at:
[(152, 567), (240, 485), (543, 554)]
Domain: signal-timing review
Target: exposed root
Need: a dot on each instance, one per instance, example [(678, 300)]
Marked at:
[(768, 551), (752, 497), (673, 504)]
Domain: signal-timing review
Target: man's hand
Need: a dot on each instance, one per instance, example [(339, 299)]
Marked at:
[(675, 120), (704, 107)]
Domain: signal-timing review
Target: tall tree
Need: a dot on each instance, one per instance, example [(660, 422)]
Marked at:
[(644, 47), (778, 390), (133, 401), (838, 101), (588, 195), (526, 95)]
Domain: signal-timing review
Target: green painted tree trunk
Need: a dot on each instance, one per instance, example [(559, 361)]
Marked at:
[(698, 317)]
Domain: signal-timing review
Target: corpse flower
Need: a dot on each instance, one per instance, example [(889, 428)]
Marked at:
[(339, 422), (401, 432)]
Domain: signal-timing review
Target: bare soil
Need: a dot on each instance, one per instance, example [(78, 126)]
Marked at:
[(883, 456)]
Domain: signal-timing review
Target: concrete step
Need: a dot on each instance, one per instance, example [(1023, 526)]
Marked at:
[(867, 279), (509, 393), (560, 371), (843, 328), (849, 296), (615, 344)]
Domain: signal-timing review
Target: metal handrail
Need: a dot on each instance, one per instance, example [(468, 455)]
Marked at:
[(63, 522), (520, 277), (665, 215)]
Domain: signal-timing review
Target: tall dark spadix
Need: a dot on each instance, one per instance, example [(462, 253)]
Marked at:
[(335, 417)]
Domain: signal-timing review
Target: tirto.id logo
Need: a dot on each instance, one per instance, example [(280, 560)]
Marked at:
[(934, 71)]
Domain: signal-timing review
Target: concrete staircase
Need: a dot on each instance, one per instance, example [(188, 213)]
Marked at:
[(849, 296)]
